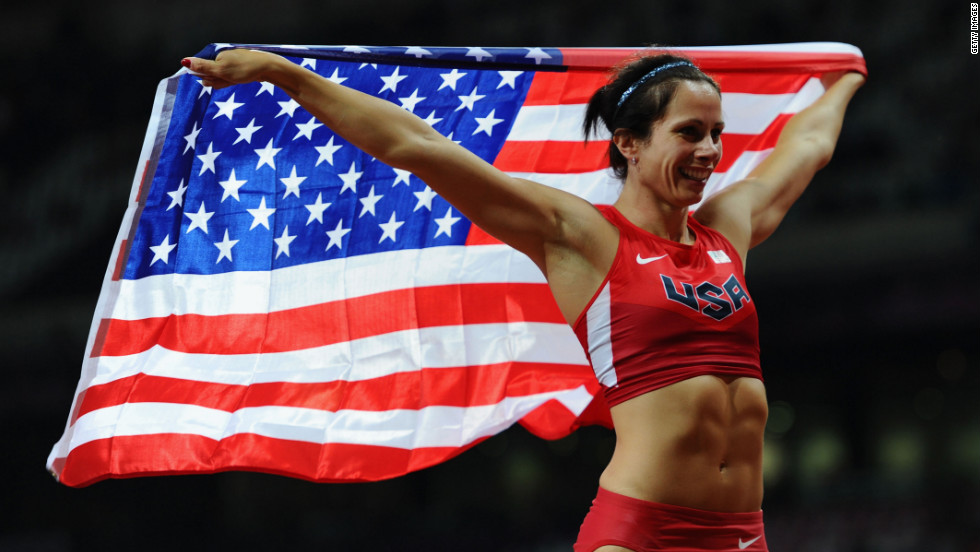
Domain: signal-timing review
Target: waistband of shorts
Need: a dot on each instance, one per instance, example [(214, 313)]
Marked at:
[(684, 513)]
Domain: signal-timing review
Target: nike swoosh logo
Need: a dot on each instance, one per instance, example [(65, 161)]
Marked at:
[(742, 545), (642, 261)]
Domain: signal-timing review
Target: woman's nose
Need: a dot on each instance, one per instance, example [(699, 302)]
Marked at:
[(709, 149)]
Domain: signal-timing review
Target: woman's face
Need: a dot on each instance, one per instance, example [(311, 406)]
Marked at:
[(684, 146)]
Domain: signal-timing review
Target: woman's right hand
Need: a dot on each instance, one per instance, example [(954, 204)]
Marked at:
[(231, 67)]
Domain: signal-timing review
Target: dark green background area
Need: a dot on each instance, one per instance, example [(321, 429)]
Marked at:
[(868, 294)]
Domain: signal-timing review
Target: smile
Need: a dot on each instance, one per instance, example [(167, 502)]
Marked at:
[(696, 173)]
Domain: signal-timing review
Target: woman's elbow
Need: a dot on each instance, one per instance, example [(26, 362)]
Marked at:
[(818, 149), (413, 151)]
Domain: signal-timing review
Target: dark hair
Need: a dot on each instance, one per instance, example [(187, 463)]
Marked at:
[(644, 106)]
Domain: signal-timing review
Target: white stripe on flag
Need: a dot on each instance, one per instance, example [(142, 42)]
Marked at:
[(445, 426), (358, 359), (249, 292)]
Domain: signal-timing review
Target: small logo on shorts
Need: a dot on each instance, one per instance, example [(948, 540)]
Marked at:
[(742, 545)]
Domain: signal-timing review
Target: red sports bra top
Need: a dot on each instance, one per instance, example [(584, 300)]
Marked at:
[(667, 312)]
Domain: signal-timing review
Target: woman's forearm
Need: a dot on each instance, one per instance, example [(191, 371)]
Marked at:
[(820, 123)]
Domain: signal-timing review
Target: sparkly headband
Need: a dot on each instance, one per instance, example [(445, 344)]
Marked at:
[(649, 76)]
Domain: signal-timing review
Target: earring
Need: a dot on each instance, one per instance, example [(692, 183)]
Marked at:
[(633, 160)]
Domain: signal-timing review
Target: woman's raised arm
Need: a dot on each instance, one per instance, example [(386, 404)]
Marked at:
[(523, 214), (750, 210)]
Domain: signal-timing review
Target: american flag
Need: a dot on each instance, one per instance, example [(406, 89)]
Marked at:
[(279, 301)]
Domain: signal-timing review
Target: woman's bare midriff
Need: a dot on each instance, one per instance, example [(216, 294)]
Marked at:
[(696, 443)]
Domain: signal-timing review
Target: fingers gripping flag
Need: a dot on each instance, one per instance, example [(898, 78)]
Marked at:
[(279, 301)]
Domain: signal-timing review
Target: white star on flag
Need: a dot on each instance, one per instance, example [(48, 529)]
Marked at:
[(260, 215), (417, 51), (267, 156), (336, 79), (231, 187), (306, 129), (337, 234), (449, 79), (478, 53), (390, 228), (266, 87), (468, 102), (350, 179), (537, 54), (401, 177), (326, 152), (283, 241), (162, 252), (207, 159), (192, 138), (199, 219), (292, 183), (316, 210), (227, 107), (224, 247), (487, 123), (177, 196), (508, 78), (245, 133), (410, 102), (287, 108), (446, 223), (391, 81), (432, 119), (369, 201), (425, 199), (204, 89)]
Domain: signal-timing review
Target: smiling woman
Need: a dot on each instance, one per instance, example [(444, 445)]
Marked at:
[(675, 344), (656, 294)]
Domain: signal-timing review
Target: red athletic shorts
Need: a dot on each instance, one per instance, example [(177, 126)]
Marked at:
[(648, 526)]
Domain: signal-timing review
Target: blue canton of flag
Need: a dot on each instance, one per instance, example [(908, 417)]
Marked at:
[(252, 181)]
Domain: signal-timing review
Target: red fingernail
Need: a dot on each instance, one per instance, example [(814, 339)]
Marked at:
[(185, 62)]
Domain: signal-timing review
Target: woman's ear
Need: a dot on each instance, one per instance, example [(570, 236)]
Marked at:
[(626, 143)]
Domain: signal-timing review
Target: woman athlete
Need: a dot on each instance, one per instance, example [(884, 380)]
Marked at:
[(654, 292)]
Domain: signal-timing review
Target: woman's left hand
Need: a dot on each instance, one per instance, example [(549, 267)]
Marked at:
[(231, 67)]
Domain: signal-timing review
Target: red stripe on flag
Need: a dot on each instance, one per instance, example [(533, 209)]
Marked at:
[(479, 236), (329, 323), (120, 261), (139, 191), (457, 386), (552, 157), (759, 83), (573, 87), (144, 455), (748, 60), (780, 62)]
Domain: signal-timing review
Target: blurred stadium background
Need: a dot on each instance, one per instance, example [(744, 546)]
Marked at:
[(869, 293)]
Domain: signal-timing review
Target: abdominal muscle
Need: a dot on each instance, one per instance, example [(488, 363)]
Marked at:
[(696, 443)]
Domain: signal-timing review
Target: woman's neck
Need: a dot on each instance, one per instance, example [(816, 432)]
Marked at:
[(655, 215)]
